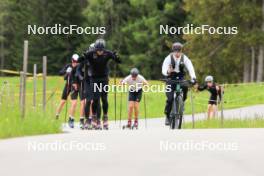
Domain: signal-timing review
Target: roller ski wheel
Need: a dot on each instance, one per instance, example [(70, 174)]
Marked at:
[(128, 126), (88, 124), (105, 126), (82, 124), (98, 126), (71, 123), (135, 126)]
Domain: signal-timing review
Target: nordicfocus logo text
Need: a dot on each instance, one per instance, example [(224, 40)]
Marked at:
[(203, 29), (58, 29)]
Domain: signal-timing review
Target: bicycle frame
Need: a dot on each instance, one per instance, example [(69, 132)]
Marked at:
[(177, 108)]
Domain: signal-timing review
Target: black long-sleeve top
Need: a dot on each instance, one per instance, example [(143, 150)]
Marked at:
[(71, 76), (98, 63), (213, 90)]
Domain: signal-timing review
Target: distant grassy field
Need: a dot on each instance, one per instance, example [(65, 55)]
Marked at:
[(37, 122), (228, 123), (235, 96)]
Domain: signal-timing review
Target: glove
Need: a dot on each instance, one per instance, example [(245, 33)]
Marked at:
[(193, 81), (69, 70)]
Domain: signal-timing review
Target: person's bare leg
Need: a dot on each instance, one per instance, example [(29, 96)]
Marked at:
[(211, 115), (130, 110), (209, 111), (136, 109), (59, 109), (82, 109), (73, 108), (214, 110)]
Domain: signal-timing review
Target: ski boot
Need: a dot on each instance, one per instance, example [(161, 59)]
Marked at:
[(82, 123), (71, 122), (98, 125), (135, 125), (105, 123), (128, 126), (88, 124)]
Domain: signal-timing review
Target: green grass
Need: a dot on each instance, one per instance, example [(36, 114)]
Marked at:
[(36, 122), (228, 123)]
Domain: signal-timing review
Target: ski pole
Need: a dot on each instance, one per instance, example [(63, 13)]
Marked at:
[(145, 111), (115, 90), (120, 117), (67, 92)]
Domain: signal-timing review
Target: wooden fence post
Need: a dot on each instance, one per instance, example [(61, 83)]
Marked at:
[(44, 82), (24, 79), (222, 107), (192, 109), (34, 85)]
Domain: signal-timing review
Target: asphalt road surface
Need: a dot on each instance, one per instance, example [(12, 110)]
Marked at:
[(154, 150)]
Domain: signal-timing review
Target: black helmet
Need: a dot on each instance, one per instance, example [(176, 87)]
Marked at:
[(177, 46), (99, 44), (134, 72)]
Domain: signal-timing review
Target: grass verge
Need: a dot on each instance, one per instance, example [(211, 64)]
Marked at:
[(228, 123)]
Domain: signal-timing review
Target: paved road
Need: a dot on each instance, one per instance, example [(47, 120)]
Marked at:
[(152, 151)]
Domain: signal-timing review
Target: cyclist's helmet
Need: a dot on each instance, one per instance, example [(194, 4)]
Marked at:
[(99, 44), (91, 47), (134, 72), (176, 47), (209, 78), (75, 57)]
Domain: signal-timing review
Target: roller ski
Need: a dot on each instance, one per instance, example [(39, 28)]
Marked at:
[(105, 123), (82, 124), (88, 124), (98, 125), (135, 125), (71, 122), (128, 126)]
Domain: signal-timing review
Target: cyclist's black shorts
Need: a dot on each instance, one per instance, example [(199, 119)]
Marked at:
[(135, 96)]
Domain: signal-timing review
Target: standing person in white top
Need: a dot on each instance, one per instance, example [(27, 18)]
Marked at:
[(135, 81), (174, 67)]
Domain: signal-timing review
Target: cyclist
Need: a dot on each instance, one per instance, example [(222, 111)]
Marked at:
[(173, 67), (98, 60), (71, 87), (215, 97), (135, 81)]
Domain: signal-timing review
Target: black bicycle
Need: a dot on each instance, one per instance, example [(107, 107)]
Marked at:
[(176, 114)]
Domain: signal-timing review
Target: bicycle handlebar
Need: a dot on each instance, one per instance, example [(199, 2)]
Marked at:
[(181, 82)]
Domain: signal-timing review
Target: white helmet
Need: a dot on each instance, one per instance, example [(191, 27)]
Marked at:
[(209, 78), (75, 57)]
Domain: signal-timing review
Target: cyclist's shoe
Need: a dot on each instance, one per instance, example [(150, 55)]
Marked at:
[(71, 122), (105, 125), (167, 121), (82, 126), (57, 117)]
